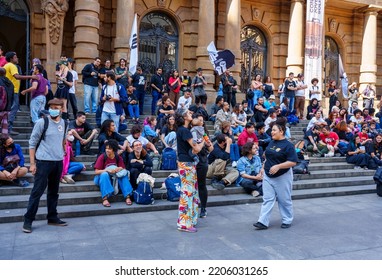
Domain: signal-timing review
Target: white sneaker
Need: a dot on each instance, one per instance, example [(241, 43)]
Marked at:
[(63, 181), (234, 164), (69, 179), (255, 193)]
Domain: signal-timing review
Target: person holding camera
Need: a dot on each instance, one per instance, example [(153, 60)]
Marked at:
[(112, 96)]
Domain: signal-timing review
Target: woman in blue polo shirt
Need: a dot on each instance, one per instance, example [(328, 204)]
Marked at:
[(278, 177)]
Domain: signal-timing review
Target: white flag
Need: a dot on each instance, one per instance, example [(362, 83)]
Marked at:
[(133, 47)]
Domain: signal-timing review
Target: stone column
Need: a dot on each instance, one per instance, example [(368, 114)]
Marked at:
[(295, 59), (206, 34), (368, 69), (125, 17), (86, 36), (54, 12), (232, 35)]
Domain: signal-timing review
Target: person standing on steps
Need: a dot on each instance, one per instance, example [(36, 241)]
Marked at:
[(277, 178), (46, 164)]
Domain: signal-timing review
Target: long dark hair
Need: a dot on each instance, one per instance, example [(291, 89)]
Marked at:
[(3, 140), (167, 124), (105, 127), (179, 117)]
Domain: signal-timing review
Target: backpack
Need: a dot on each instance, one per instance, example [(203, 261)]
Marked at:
[(173, 188), (144, 193), (169, 159), (46, 125), (156, 159), (3, 99), (292, 119)]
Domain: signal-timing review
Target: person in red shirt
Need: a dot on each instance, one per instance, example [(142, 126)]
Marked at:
[(3, 61), (329, 139), (364, 138), (248, 135)]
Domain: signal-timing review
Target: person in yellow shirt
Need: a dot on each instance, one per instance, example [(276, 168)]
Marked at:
[(12, 73)]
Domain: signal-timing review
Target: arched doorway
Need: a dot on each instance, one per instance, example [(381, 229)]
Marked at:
[(332, 56), (253, 47), (14, 31), (158, 43)]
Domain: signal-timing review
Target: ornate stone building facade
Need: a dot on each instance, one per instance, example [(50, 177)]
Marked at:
[(266, 36)]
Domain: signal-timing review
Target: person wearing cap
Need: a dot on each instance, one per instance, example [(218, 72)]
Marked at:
[(46, 164), (300, 96), (39, 89), (138, 80), (90, 74), (13, 74), (270, 103), (198, 83), (185, 100), (64, 80)]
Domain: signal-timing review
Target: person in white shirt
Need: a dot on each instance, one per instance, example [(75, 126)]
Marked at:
[(316, 120), (300, 96), (314, 91), (185, 101), (72, 91)]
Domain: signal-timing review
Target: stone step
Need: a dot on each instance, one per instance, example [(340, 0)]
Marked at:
[(330, 166), (339, 173), (88, 197), (95, 209), (326, 159), (332, 182)]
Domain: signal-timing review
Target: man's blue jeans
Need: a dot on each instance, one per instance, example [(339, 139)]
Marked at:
[(37, 104), (140, 94), (133, 111), (156, 96), (291, 103), (110, 116), (90, 92)]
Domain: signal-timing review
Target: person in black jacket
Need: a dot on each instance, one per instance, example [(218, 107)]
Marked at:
[(90, 76), (157, 85), (8, 87), (138, 162)]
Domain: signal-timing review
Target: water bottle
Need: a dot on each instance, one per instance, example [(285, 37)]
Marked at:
[(78, 148)]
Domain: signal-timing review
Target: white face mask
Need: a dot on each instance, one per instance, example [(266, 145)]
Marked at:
[(70, 138)]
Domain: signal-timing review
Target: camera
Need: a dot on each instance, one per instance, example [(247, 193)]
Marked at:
[(108, 97)]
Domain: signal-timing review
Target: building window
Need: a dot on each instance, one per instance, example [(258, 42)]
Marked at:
[(158, 43), (331, 60), (253, 55)]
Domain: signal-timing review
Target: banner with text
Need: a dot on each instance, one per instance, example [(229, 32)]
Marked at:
[(313, 42)]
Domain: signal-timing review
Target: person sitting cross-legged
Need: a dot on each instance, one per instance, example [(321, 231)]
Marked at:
[(12, 162), (110, 164), (217, 163), (249, 166), (83, 132)]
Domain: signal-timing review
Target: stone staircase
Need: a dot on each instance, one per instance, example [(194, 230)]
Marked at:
[(328, 177)]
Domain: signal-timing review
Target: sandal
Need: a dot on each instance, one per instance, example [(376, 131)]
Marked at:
[(128, 201), (105, 202)]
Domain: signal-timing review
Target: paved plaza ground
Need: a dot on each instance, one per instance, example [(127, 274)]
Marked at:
[(347, 227)]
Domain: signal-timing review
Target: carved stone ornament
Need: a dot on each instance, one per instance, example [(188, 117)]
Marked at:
[(55, 9), (332, 25), (161, 3), (256, 13)]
